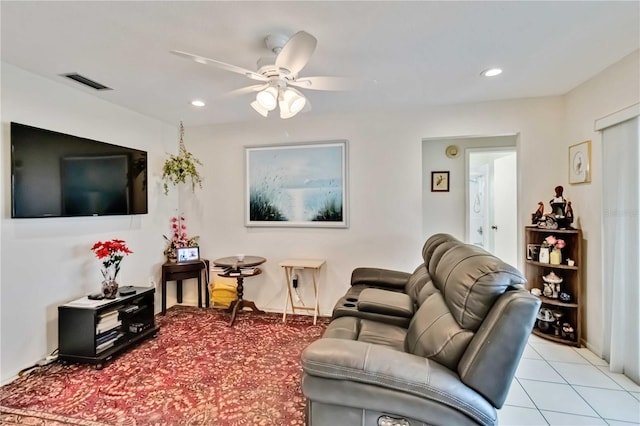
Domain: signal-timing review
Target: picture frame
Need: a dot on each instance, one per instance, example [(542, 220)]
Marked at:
[(297, 185), (440, 181), (533, 252), (580, 163)]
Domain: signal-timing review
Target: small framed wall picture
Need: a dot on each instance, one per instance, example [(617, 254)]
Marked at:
[(533, 251), (580, 163), (439, 181)]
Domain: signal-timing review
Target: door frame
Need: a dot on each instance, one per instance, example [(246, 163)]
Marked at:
[(490, 149)]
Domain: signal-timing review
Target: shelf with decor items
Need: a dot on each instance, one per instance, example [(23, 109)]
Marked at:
[(94, 331), (559, 286)]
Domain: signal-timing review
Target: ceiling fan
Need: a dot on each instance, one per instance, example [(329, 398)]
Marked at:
[(278, 76)]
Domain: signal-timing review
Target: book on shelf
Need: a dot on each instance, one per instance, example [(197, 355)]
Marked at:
[(248, 271), (103, 326), (108, 314), (106, 336), (108, 343)]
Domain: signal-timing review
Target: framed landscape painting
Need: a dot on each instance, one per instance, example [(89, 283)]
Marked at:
[(297, 185)]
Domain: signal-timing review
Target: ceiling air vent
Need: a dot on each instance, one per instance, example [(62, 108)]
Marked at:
[(86, 81)]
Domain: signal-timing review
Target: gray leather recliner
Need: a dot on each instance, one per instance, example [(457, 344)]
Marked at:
[(453, 362)]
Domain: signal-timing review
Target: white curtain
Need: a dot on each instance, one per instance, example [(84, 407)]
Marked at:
[(621, 246)]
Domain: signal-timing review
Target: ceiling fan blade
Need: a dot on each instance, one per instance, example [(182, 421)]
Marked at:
[(327, 83), (228, 67), (243, 91), (296, 52)]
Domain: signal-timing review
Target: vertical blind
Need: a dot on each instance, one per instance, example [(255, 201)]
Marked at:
[(621, 246)]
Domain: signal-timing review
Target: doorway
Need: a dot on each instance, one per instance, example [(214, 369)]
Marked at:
[(491, 201)]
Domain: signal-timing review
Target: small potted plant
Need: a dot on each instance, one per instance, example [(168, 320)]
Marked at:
[(178, 168), (178, 238), (111, 253)]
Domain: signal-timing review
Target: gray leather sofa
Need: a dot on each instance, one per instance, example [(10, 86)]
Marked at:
[(451, 363)]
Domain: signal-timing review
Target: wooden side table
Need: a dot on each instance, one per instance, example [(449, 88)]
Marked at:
[(172, 271), (315, 265), (236, 271)]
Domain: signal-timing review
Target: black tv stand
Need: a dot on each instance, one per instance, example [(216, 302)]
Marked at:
[(95, 331)]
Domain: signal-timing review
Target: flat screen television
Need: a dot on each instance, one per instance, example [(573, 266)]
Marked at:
[(56, 175)]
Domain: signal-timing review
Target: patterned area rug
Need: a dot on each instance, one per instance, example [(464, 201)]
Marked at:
[(197, 371)]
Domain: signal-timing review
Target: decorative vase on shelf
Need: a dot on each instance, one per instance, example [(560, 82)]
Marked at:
[(171, 256), (109, 283), (555, 257)]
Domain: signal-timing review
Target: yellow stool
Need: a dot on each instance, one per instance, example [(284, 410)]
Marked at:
[(223, 291)]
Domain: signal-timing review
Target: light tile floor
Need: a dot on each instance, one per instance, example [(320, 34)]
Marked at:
[(561, 385)]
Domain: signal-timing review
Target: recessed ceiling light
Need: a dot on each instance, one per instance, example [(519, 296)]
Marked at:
[(491, 72), (197, 103)]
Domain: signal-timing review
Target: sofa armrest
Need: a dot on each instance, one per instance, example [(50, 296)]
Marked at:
[(385, 302), (380, 278), (391, 369)]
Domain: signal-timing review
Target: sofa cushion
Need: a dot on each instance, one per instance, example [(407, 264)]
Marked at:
[(382, 334), (434, 333), (433, 242), (416, 281), (363, 330), (470, 280), (385, 302)]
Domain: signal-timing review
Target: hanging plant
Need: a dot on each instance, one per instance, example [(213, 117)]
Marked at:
[(177, 168)]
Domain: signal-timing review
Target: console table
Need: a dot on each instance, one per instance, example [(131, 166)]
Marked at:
[(289, 266), (95, 331), (239, 269), (172, 271)]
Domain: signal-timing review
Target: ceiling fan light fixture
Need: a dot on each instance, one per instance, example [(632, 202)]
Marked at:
[(268, 98), (259, 108), (291, 102)]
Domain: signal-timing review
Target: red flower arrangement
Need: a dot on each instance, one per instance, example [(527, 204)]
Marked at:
[(111, 253)]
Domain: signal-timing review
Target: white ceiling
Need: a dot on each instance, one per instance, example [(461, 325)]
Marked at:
[(411, 53)]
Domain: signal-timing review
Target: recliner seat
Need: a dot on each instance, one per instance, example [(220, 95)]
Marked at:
[(452, 364)]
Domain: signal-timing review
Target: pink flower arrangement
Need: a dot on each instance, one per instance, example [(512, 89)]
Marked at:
[(554, 242), (179, 237)]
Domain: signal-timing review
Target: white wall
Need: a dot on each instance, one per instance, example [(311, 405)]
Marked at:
[(385, 186), (46, 262), (615, 88), (449, 208), (385, 172)]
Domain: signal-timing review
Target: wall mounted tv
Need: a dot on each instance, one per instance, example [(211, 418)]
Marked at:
[(56, 175)]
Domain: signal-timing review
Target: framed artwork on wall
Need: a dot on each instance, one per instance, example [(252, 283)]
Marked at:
[(296, 185), (580, 163), (439, 181)]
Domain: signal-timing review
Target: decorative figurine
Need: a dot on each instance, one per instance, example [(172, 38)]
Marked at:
[(551, 285), (568, 331), (558, 203), (535, 217), (569, 213), (561, 215)]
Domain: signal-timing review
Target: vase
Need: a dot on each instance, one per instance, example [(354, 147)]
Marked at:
[(109, 289), (172, 256), (555, 257), (109, 283)]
